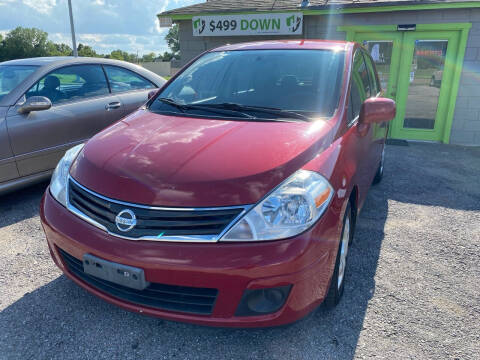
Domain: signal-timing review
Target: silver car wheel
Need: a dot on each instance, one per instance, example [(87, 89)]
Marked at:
[(343, 252)]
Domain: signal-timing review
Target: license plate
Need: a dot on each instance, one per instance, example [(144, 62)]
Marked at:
[(125, 275)]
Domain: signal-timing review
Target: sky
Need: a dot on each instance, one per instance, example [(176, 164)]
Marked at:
[(106, 25)]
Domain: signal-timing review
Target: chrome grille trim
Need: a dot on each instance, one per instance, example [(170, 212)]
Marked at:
[(183, 239)]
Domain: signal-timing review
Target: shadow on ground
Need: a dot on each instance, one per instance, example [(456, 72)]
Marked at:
[(60, 320), (21, 204)]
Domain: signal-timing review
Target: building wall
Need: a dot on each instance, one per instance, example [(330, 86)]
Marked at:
[(162, 68), (466, 121)]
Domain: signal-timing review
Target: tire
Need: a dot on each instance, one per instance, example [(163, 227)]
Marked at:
[(337, 282), (379, 174)]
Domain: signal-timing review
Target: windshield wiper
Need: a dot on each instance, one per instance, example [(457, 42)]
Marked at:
[(264, 109), (204, 107), (172, 102)]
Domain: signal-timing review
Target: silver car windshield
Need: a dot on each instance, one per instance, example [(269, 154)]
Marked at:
[(12, 75)]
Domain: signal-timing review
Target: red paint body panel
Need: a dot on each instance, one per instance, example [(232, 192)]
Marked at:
[(177, 161), (305, 261), (189, 162)]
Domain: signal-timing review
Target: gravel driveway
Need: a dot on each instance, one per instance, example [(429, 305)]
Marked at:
[(412, 286)]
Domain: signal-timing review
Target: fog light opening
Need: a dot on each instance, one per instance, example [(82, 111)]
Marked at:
[(262, 301)]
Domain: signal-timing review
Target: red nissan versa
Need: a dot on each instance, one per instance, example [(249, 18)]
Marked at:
[(230, 198)]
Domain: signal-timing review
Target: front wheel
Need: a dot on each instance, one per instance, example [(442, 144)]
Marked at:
[(335, 291)]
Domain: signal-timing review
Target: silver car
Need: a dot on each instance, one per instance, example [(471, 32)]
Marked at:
[(48, 105)]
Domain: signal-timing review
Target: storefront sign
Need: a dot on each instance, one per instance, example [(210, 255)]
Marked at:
[(249, 24)]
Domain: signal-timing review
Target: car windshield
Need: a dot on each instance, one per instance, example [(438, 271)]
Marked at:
[(257, 84), (12, 75)]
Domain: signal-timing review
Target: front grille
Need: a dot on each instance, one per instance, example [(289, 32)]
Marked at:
[(151, 222), (160, 296)]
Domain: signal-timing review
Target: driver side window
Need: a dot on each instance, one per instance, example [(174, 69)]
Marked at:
[(71, 83)]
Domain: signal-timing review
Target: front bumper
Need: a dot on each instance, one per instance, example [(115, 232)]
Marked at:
[(306, 262)]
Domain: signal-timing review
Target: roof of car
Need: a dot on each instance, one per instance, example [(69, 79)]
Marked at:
[(47, 64), (52, 60), (288, 44)]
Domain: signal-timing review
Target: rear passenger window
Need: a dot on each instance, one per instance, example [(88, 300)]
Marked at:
[(360, 69), (71, 83), (360, 86), (375, 88), (355, 100), (125, 80)]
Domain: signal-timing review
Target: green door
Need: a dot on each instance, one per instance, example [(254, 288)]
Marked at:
[(425, 84), (420, 70)]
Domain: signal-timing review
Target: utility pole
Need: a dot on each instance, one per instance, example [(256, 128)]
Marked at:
[(72, 28)]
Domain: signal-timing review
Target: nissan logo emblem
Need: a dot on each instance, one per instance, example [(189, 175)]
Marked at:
[(125, 220)]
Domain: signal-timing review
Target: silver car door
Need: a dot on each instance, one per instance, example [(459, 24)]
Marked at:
[(82, 105), (130, 87), (8, 168)]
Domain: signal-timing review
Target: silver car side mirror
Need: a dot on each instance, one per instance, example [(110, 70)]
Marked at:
[(35, 103)]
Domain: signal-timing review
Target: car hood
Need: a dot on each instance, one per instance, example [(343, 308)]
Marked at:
[(176, 161)]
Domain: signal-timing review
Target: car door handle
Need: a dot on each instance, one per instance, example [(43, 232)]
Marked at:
[(113, 105)]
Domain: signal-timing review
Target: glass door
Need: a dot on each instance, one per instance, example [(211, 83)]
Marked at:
[(385, 51), (424, 85), (420, 70)]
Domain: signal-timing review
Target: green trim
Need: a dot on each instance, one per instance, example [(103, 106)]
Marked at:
[(462, 45), (348, 10), (351, 30), (456, 34)]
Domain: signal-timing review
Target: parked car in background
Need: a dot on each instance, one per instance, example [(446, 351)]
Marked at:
[(48, 105), (231, 198)]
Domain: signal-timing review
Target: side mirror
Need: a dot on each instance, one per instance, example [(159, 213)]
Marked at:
[(377, 110), (152, 93), (35, 103)]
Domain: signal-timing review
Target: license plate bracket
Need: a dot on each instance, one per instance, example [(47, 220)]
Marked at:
[(120, 274)]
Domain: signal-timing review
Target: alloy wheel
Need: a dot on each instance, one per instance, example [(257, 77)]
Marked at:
[(343, 252)]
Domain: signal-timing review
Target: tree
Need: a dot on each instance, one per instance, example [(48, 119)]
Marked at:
[(148, 57), (58, 49), (123, 55), (118, 55), (85, 50), (173, 41), (167, 56), (24, 43)]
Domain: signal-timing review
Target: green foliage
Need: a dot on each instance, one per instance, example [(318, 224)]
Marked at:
[(54, 49), (123, 55), (148, 57), (85, 50), (31, 42), (173, 41), (167, 56), (24, 43)]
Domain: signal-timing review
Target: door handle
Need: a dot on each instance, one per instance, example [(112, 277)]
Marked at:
[(113, 105)]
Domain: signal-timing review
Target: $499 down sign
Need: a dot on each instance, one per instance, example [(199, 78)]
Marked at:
[(248, 24)]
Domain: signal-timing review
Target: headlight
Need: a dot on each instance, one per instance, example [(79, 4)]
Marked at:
[(289, 210), (58, 184)]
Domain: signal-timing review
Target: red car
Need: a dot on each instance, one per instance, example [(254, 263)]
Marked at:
[(230, 198)]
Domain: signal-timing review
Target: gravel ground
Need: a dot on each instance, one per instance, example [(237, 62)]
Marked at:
[(412, 286)]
